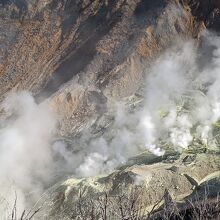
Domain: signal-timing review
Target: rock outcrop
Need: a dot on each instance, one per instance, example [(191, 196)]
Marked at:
[(152, 180), (81, 57), (89, 50)]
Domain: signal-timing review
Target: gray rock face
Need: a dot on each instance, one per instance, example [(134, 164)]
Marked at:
[(81, 56), (207, 11), (49, 46), (149, 180)]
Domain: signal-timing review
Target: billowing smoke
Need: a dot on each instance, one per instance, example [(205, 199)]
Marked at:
[(25, 152), (180, 108)]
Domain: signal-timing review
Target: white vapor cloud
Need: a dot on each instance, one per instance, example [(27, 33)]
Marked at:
[(181, 104), (25, 152)]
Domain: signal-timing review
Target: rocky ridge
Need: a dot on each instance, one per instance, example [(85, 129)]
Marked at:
[(83, 56)]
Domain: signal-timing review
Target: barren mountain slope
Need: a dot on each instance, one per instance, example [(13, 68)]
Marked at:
[(101, 45), (82, 57), (44, 39)]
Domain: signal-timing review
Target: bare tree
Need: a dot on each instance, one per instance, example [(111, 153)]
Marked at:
[(132, 206), (25, 215)]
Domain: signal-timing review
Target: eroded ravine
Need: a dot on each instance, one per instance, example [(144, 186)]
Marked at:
[(83, 57)]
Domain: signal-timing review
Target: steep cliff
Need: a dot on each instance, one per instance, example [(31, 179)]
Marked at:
[(43, 44), (84, 56), (48, 47)]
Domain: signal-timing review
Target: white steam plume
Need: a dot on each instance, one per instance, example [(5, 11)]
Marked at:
[(25, 153), (181, 104)]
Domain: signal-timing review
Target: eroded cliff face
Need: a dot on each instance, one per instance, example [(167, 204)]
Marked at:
[(207, 11), (83, 54), (147, 181), (46, 43), (97, 47)]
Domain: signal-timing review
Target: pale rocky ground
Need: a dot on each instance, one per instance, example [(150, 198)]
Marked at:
[(82, 56), (152, 179)]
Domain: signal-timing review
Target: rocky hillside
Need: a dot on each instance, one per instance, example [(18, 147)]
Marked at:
[(83, 56), (144, 184)]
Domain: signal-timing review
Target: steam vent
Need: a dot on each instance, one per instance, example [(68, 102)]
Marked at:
[(109, 109)]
